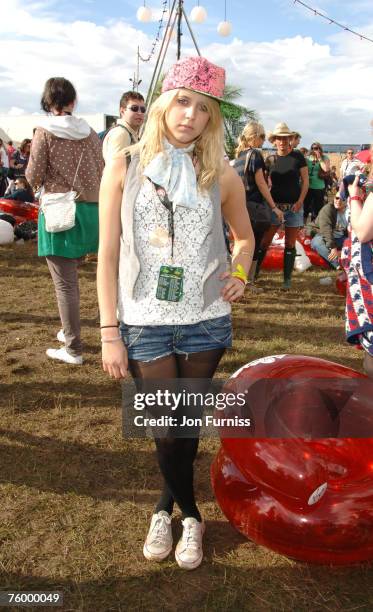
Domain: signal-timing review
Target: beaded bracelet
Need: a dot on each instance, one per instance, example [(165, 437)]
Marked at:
[(358, 198), (116, 339)]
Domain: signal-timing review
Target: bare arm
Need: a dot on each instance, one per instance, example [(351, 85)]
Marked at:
[(264, 190), (37, 166), (325, 164), (114, 355), (304, 183), (304, 188), (236, 215), (263, 187), (361, 215)]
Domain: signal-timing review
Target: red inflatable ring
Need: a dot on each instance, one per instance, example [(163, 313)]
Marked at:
[(301, 480)]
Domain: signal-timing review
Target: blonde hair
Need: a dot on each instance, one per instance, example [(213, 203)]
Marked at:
[(248, 136), (209, 146)]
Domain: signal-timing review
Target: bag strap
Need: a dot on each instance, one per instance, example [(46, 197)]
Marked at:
[(132, 140), (76, 173)]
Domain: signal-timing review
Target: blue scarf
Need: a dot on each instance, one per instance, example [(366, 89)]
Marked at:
[(173, 170)]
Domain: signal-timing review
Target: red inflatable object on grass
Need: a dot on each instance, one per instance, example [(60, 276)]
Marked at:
[(21, 211), (301, 480), (275, 254), (274, 259), (316, 259)]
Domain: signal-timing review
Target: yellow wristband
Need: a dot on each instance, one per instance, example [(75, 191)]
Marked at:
[(240, 273)]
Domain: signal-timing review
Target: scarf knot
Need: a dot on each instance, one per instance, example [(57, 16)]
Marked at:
[(173, 170)]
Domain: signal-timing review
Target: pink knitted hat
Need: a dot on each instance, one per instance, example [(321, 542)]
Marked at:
[(197, 74)]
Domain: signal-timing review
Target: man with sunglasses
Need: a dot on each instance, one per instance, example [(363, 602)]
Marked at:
[(126, 132), (350, 164)]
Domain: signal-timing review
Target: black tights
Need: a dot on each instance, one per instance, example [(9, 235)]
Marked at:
[(176, 455)]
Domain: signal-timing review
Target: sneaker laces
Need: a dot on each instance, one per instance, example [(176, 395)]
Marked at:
[(191, 536), (160, 529)]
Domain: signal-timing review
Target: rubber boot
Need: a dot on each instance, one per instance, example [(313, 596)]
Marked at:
[(289, 259), (261, 255)]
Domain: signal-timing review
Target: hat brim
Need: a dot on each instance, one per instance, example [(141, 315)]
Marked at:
[(272, 136), (203, 93)]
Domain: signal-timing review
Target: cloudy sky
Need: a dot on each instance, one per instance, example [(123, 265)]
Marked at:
[(292, 65)]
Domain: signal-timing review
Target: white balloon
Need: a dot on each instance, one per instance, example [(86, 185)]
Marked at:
[(224, 28), (144, 14), (6, 232), (198, 14)]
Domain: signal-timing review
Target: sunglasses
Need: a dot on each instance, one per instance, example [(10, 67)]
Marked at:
[(136, 108), (337, 198), (349, 152), (315, 148)]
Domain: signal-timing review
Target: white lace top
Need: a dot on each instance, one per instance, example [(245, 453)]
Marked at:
[(191, 245)]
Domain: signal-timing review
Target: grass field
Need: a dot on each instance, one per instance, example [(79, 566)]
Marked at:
[(76, 498)]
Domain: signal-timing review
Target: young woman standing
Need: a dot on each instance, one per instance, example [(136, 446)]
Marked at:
[(66, 154), (163, 263), (318, 167), (250, 165)]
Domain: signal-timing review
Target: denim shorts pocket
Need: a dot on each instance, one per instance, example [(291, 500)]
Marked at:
[(220, 329), (131, 334)]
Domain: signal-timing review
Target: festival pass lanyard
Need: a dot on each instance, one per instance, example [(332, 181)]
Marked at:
[(171, 278)]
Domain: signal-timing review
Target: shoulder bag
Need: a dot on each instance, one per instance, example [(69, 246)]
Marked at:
[(59, 208)]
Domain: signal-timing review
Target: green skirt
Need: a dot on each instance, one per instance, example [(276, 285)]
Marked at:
[(75, 242)]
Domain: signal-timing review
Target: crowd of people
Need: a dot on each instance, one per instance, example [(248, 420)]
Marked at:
[(165, 279), (13, 164)]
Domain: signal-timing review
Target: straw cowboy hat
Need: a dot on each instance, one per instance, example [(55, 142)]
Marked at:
[(281, 129)]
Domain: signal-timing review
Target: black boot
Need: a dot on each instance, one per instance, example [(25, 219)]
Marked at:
[(289, 258), (261, 255)]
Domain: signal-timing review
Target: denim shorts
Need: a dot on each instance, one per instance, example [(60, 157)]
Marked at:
[(149, 342), (291, 219)]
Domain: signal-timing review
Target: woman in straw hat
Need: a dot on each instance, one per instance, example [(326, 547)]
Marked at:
[(288, 176), (164, 242), (250, 165)]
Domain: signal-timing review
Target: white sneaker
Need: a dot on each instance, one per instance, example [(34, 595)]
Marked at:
[(158, 543), (61, 354), (61, 336), (189, 553)]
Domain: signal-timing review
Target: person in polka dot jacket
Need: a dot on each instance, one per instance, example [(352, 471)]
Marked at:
[(66, 154)]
